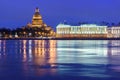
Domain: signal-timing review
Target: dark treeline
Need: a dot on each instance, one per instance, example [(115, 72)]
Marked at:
[(26, 32)]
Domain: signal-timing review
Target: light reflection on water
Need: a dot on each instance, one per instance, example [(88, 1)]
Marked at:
[(66, 58)]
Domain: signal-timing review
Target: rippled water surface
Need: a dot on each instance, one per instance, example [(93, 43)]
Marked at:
[(59, 60)]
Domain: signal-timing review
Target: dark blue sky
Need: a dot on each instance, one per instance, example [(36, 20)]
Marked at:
[(17, 13)]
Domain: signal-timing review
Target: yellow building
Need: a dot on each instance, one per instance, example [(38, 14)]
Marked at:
[(82, 31), (37, 19), (37, 22)]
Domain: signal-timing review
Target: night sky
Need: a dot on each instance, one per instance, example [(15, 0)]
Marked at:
[(17, 13)]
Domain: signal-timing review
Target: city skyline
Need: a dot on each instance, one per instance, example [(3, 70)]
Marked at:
[(18, 13)]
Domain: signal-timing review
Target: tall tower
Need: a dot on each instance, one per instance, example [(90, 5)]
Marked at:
[(37, 19)]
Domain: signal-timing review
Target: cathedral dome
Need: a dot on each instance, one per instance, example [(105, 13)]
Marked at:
[(37, 19)]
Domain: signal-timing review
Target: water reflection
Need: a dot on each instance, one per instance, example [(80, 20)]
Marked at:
[(2, 48), (40, 54), (92, 58), (82, 51), (44, 50), (114, 46), (24, 50), (89, 58), (89, 48)]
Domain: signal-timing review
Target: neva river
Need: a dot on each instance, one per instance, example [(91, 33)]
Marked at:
[(59, 59)]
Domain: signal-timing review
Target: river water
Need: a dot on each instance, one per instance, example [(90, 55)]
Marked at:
[(59, 59)]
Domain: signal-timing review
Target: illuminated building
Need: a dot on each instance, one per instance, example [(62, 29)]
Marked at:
[(39, 27), (37, 19), (115, 32), (109, 35), (82, 31)]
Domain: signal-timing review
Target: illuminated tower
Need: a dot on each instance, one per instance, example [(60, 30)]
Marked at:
[(37, 19)]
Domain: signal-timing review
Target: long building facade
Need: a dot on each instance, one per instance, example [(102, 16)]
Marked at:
[(114, 32), (81, 31)]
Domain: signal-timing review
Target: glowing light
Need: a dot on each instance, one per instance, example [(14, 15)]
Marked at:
[(87, 30), (24, 50)]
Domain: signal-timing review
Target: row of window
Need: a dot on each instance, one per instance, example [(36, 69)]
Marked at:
[(81, 29)]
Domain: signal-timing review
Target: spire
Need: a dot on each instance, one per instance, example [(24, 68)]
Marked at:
[(37, 10)]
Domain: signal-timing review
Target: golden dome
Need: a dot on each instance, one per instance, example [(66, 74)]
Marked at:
[(37, 19)]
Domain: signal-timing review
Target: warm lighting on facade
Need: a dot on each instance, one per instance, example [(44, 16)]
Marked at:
[(37, 19), (24, 32), (39, 32), (114, 32), (85, 31)]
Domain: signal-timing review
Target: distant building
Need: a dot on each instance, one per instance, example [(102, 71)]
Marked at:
[(82, 31), (37, 19), (109, 35), (115, 31), (42, 29)]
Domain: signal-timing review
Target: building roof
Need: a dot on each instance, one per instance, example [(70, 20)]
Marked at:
[(83, 25)]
